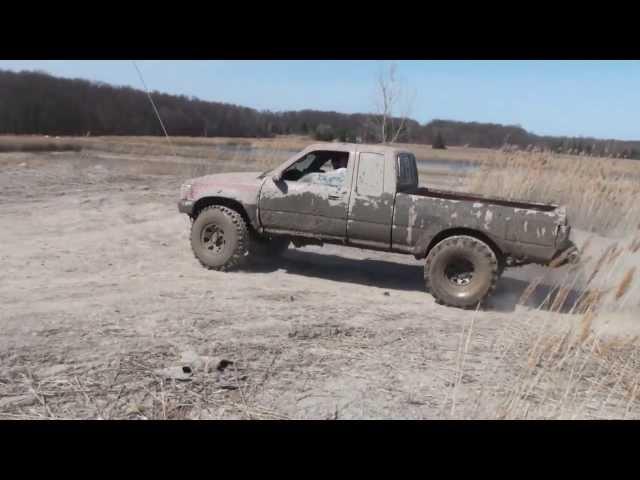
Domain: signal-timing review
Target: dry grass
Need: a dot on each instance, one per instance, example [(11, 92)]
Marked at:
[(600, 194), (562, 368), (627, 280), (37, 144), (185, 157), (126, 388), (603, 282), (573, 369), (567, 367), (219, 149), (592, 188), (192, 156)]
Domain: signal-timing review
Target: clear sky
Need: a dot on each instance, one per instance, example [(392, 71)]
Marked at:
[(576, 98)]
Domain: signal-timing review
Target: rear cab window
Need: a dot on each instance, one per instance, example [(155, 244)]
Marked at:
[(407, 170)]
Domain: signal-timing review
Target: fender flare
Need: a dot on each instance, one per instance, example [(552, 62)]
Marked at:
[(421, 247), (248, 212), (436, 232)]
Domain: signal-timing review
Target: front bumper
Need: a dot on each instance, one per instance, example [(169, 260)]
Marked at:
[(185, 206)]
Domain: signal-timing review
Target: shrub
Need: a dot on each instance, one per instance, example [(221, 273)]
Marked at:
[(324, 133), (438, 142)]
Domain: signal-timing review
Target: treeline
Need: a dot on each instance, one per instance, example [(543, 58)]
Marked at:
[(323, 125), (491, 135), (38, 103)]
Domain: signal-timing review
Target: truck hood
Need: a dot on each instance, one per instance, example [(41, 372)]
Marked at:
[(246, 182)]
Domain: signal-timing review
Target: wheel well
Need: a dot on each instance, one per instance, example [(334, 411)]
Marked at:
[(469, 232), (225, 202)]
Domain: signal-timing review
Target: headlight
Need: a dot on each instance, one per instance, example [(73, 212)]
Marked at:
[(185, 190)]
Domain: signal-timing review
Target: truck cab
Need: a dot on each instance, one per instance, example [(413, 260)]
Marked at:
[(304, 197)]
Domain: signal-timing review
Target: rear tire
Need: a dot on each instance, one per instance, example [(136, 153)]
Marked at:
[(219, 238), (461, 271)]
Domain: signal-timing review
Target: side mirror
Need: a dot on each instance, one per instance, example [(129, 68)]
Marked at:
[(276, 177)]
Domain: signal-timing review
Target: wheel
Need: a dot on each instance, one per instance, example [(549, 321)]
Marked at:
[(461, 271), (268, 246), (219, 238)]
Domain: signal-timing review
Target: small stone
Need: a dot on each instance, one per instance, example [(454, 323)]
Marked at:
[(222, 364), (203, 363), (135, 408), (177, 373)]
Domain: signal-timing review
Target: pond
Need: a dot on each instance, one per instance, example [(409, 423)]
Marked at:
[(453, 165)]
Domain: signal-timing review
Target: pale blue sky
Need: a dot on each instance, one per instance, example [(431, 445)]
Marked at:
[(577, 98)]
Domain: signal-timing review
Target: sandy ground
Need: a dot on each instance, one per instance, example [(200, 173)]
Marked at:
[(106, 314)]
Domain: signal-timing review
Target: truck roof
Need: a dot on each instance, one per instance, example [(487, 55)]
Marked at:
[(361, 147)]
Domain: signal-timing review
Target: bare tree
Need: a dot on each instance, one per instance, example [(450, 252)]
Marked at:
[(393, 103)]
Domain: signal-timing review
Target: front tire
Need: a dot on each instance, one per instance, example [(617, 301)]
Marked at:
[(219, 238), (461, 271)]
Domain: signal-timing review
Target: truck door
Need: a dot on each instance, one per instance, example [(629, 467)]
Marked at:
[(311, 197), (371, 201)]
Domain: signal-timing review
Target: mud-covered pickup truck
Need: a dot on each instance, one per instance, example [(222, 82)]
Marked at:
[(368, 196)]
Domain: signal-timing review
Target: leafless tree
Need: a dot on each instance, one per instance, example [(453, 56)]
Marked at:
[(393, 102)]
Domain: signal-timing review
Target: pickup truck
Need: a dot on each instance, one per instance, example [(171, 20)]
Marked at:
[(369, 196)]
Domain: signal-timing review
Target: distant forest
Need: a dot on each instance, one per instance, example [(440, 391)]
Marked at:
[(38, 103)]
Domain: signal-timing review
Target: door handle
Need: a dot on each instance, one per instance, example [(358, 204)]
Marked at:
[(334, 197)]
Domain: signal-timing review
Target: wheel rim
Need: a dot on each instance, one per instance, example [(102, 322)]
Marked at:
[(460, 272), (212, 238)]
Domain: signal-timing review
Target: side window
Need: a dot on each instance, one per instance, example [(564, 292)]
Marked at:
[(301, 167), (407, 174), (325, 168), (370, 174)]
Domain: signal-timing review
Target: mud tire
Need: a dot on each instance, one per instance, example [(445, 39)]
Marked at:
[(233, 248), (447, 263)]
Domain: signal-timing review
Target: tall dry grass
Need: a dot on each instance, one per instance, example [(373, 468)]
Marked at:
[(261, 150), (37, 143), (181, 156), (601, 195), (572, 356)]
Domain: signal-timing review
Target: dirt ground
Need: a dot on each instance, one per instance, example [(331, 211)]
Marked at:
[(107, 314)]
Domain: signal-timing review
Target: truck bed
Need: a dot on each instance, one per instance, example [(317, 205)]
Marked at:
[(450, 195)]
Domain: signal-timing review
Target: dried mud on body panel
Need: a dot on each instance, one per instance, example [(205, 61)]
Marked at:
[(303, 208), (525, 233)]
